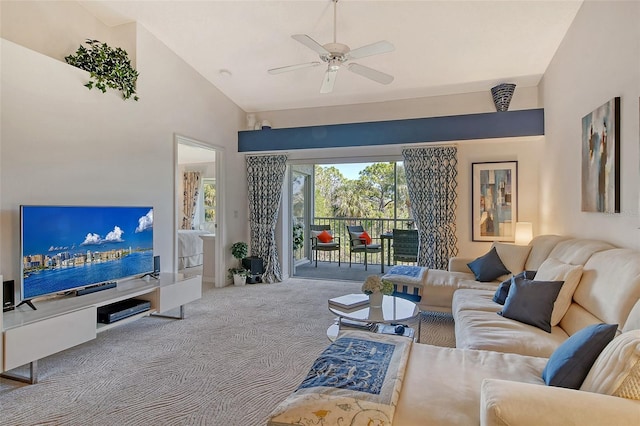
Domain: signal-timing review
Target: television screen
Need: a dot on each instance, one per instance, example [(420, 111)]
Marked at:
[(68, 247)]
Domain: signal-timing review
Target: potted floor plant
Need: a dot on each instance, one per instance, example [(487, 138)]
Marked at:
[(239, 250)]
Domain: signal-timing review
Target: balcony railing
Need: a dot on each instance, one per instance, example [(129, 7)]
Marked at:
[(374, 227)]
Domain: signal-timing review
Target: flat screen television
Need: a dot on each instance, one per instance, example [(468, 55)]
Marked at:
[(70, 247)]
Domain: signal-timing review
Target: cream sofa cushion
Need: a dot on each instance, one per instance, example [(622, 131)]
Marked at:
[(512, 256), (576, 319), (555, 270), (477, 300), (617, 370), (610, 285), (485, 329), (541, 246), (633, 320), (510, 403), (442, 385), (440, 286), (578, 251)]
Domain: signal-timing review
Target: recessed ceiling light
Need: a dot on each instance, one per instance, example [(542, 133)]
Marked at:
[(225, 73)]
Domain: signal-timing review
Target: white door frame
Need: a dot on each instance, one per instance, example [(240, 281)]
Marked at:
[(307, 257), (219, 266)]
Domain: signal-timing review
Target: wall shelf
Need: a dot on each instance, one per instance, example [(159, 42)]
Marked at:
[(492, 125)]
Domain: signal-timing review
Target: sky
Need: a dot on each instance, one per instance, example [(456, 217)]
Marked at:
[(53, 229), (351, 171)]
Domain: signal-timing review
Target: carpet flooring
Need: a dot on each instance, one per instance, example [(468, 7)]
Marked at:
[(239, 352)]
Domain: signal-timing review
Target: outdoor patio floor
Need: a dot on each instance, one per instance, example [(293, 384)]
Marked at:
[(331, 271)]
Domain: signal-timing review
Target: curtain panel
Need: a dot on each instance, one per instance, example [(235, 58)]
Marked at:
[(265, 177), (432, 185), (191, 191)]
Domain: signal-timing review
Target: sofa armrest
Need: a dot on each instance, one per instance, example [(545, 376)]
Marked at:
[(459, 264), (510, 403)]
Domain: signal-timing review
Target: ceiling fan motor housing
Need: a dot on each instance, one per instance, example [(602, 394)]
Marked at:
[(338, 54)]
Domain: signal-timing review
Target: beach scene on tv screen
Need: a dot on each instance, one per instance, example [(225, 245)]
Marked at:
[(71, 247)]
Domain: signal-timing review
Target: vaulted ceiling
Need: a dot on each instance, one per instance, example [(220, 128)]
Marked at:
[(441, 47)]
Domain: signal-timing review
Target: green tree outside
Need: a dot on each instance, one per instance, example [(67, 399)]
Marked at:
[(209, 200), (378, 192)]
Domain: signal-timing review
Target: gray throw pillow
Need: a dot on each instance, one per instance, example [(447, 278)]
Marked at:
[(503, 289), (531, 302), (488, 267)]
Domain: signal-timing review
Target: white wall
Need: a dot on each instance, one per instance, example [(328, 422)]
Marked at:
[(64, 144), (56, 28), (527, 151), (598, 60), (524, 150), (435, 106)]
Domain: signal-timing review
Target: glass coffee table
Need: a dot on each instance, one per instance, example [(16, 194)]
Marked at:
[(394, 310)]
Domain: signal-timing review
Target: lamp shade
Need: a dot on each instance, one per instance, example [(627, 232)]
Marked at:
[(524, 233)]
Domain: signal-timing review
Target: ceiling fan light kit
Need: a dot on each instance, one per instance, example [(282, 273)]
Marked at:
[(335, 55)]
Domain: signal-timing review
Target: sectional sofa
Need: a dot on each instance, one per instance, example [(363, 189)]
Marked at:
[(494, 375)]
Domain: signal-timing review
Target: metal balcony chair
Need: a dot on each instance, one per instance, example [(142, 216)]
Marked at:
[(317, 245), (405, 245), (356, 245)]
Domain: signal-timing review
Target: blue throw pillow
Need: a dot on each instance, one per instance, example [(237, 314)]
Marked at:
[(503, 289), (570, 363), (531, 302), (488, 267)]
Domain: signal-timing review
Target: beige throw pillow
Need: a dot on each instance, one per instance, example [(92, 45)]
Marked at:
[(555, 270), (513, 257), (617, 369)]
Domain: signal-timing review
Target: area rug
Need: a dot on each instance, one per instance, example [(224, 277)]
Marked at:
[(239, 352)]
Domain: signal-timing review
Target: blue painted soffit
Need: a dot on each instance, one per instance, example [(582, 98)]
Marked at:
[(417, 130)]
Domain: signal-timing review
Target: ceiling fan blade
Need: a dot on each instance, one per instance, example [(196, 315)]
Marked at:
[(372, 49), (328, 81), (292, 67), (370, 73), (310, 43)]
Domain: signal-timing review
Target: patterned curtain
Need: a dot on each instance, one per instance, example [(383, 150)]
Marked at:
[(431, 181), (265, 176), (191, 188)]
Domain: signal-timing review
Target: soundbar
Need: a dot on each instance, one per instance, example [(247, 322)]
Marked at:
[(95, 288), (120, 310)]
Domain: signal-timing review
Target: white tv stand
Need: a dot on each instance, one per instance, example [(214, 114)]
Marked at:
[(63, 322)]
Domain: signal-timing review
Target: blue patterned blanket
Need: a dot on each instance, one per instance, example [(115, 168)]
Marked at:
[(351, 363), (355, 381), (406, 274)]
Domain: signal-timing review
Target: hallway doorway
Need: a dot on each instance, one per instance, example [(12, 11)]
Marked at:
[(198, 217)]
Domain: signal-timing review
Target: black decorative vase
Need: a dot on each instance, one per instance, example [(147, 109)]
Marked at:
[(502, 94)]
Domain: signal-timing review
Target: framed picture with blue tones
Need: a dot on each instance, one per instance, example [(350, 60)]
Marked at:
[(601, 159), (494, 192)]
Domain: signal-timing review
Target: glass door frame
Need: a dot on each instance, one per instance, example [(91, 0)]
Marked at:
[(307, 214)]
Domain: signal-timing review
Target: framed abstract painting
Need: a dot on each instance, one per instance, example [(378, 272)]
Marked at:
[(601, 159), (494, 200)]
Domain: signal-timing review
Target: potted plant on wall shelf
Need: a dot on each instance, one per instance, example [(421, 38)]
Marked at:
[(108, 67), (239, 250)]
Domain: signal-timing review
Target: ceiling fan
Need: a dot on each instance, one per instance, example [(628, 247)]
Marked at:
[(336, 55)]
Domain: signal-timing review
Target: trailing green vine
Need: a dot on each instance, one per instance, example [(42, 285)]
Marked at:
[(108, 67)]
